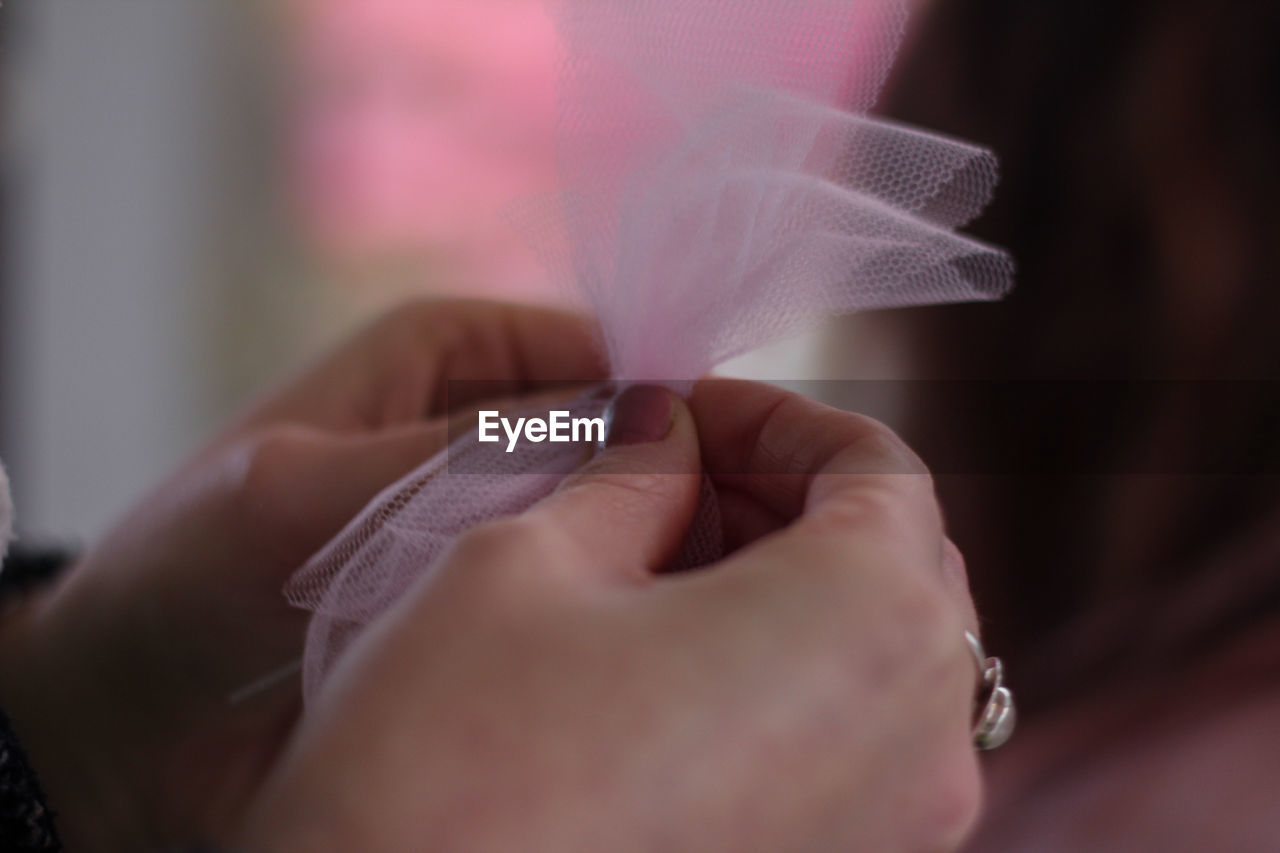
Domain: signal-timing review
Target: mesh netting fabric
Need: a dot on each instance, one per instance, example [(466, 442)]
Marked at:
[(724, 186)]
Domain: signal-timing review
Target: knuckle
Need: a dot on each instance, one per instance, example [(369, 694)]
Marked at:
[(901, 512), (924, 634), (871, 505), (880, 443), (624, 496), (260, 487), (427, 320), (495, 552), (492, 542), (616, 488), (415, 325), (953, 558), (268, 459), (413, 316), (952, 803), (773, 447), (890, 510)]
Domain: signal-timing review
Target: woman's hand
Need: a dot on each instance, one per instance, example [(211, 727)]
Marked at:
[(120, 681), (548, 690)]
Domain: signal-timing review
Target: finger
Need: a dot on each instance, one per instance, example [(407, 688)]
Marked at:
[(856, 518), (956, 578), (770, 444), (627, 511), (495, 349), (846, 480), (308, 484), (399, 369), (305, 486)]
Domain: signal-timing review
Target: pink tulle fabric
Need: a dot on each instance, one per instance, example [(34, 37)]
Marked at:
[(724, 186)]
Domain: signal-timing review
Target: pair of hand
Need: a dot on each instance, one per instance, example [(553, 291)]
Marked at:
[(548, 690)]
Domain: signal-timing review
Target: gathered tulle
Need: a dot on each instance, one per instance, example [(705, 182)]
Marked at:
[(723, 187)]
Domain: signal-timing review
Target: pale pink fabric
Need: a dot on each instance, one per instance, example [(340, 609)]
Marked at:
[(723, 186)]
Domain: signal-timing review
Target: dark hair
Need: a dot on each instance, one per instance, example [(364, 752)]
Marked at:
[(1140, 146)]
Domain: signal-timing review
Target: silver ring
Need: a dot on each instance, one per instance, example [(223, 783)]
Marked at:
[(994, 714)]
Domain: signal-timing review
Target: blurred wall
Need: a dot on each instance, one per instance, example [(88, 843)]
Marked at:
[(154, 278), (110, 160)]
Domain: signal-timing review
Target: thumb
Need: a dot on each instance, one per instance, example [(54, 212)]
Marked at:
[(627, 510)]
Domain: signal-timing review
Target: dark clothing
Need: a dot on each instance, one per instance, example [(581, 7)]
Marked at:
[(26, 822)]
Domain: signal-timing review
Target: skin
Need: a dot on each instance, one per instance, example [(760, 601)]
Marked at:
[(548, 690), (118, 680)]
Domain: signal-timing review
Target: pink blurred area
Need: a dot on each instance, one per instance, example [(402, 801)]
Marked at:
[(414, 123)]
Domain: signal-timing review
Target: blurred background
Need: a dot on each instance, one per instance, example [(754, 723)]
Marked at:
[(199, 194)]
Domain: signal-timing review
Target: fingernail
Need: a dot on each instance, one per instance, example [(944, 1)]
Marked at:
[(639, 415)]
